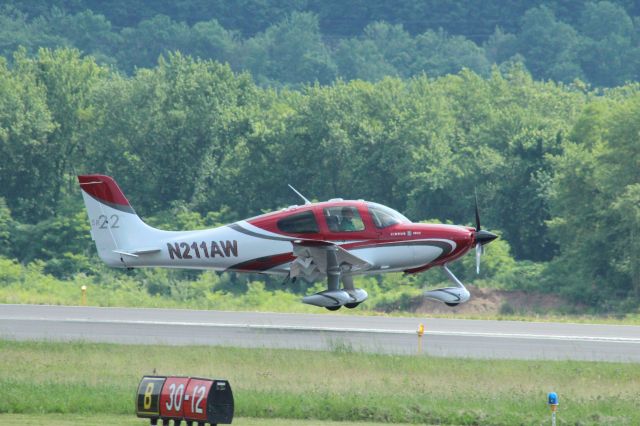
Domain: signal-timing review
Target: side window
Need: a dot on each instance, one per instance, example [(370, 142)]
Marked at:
[(299, 223), (343, 219), (382, 219), (384, 216)]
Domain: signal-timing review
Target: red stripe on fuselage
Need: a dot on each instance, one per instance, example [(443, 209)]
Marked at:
[(261, 264)]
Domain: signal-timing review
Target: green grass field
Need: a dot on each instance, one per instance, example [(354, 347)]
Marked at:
[(87, 381), (121, 420)]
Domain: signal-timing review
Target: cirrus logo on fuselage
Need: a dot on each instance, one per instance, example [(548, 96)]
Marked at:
[(203, 249)]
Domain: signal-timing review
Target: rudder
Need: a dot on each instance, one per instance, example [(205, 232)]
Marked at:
[(115, 227)]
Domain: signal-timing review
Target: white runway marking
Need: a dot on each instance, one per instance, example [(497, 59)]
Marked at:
[(334, 329), (380, 334)]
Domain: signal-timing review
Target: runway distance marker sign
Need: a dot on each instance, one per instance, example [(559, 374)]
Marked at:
[(191, 399)]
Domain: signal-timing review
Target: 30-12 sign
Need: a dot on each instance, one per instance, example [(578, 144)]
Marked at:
[(185, 398)]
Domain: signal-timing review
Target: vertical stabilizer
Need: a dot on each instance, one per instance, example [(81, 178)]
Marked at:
[(115, 226)]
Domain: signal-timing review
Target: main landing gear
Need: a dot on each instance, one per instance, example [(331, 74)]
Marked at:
[(335, 297)]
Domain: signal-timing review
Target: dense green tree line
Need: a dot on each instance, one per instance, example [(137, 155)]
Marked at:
[(556, 167), (474, 19), (292, 42)]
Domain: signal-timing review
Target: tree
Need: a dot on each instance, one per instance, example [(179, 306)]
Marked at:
[(500, 46), (594, 197), (89, 32), (16, 31), (67, 80), (394, 43), (209, 40), (26, 125), (6, 225), (290, 52), (439, 54), (550, 47), (164, 132), (361, 59), (609, 56), (143, 44)]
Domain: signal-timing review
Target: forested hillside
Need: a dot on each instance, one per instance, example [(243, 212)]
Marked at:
[(292, 42), (197, 142)]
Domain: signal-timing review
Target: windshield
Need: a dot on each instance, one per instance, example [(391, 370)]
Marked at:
[(383, 216)]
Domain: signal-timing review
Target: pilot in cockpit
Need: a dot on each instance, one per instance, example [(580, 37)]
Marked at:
[(346, 220)]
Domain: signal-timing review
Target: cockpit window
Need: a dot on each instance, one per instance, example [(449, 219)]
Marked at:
[(383, 216), (343, 219), (299, 223)]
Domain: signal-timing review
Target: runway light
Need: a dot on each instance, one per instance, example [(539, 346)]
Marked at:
[(552, 401), (420, 334)]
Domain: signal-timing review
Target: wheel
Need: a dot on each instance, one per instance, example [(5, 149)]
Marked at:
[(333, 308), (451, 304), (351, 305)]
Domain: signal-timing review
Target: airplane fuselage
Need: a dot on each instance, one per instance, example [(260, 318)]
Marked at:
[(332, 240), (258, 245)]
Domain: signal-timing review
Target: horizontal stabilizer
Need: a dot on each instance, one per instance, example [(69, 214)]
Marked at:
[(137, 252)]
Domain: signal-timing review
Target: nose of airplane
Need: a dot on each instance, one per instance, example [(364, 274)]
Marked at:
[(483, 237)]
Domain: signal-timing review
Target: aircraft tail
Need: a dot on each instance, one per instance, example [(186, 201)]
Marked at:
[(120, 235)]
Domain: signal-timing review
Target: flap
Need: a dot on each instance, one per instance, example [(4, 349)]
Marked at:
[(311, 258)]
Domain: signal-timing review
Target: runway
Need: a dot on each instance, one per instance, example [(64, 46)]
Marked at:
[(443, 337)]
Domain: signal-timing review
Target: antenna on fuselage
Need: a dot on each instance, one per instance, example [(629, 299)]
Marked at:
[(301, 196)]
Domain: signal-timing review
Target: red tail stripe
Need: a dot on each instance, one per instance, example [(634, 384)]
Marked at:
[(103, 188)]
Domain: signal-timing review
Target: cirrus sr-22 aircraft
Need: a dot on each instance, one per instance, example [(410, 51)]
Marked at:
[(332, 240)]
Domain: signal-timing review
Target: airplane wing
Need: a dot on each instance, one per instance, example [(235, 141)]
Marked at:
[(311, 259)]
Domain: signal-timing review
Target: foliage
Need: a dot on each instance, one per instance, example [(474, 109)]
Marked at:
[(291, 51), (595, 198), (195, 145), (6, 224), (291, 42)]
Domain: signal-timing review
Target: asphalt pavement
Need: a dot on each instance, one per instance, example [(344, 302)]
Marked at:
[(397, 335)]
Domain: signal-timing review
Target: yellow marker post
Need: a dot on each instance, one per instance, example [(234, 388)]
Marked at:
[(84, 295), (420, 334)]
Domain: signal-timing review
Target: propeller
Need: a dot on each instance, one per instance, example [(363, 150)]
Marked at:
[(481, 237)]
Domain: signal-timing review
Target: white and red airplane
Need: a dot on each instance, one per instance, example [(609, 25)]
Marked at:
[(332, 240)]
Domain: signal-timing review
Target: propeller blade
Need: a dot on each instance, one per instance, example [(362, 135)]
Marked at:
[(481, 237), (477, 213)]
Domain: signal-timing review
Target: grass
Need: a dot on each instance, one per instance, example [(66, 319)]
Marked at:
[(88, 379), (120, 420), (21, 284)]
